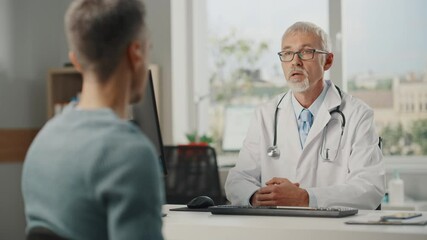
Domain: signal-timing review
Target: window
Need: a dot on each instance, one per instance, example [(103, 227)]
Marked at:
[(384, 60), (385, 64)]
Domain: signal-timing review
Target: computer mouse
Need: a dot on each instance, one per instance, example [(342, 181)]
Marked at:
[(201, 202)]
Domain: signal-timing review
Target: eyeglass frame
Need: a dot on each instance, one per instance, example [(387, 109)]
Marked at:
[(299, 53)]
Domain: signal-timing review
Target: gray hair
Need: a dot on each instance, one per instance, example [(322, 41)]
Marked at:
[(99, 31), (308, 27)]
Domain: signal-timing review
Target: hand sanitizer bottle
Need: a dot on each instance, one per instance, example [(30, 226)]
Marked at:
[(396, 190)]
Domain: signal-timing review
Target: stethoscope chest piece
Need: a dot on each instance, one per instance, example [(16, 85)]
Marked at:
[(273, 152)]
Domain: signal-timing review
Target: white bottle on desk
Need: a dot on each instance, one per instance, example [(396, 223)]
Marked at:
[(396, 191)]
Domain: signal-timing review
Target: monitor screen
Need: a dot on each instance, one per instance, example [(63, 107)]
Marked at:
[(146, 117)]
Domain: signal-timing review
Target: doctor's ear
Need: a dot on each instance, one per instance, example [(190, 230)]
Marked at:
[(328, 61), (73, 58)]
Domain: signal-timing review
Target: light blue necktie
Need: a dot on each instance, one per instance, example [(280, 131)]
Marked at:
[(306, 120)]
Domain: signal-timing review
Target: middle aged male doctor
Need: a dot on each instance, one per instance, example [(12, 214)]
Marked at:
[(312, 146)]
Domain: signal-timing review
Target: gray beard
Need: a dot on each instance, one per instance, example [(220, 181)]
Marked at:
[(298, 87)]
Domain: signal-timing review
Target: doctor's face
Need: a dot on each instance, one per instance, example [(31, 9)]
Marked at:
[(304, 75)]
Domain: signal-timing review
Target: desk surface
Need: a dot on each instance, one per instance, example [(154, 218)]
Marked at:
[(204, 225)]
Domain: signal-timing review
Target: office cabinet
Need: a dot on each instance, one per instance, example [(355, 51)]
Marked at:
[(65, 84)]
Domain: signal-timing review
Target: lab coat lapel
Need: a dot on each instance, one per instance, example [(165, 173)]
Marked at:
[(287, 131), (331, 101)]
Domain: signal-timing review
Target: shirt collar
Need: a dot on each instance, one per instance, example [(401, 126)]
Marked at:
[(314, 108)]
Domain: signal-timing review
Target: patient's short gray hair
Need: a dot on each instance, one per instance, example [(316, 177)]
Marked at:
[(99, 31)]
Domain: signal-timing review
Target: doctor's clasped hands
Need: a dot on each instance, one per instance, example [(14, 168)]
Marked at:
[(280, 192)]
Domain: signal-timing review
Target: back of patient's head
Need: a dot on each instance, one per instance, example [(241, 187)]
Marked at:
[(99, 32)]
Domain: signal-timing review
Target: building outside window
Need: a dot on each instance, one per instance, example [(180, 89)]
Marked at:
[(386, 66)]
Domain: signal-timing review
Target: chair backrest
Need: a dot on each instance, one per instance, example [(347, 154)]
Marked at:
[(192, 172), (380, 145), (41, 233)]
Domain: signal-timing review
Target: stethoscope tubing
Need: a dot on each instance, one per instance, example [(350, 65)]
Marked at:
[(275, 120), (336, 110)]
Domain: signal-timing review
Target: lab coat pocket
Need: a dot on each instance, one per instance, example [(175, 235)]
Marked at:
[(331, 140), (331, 172)]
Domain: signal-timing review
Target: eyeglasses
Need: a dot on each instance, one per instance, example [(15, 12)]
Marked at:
[(306, 54)]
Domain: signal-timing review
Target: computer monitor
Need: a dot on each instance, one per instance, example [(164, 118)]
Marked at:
[(146, 117)]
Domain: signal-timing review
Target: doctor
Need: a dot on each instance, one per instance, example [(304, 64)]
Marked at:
[(312, 146)]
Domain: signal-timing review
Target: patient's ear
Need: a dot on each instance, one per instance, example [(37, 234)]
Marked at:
[(135, 55), (73, 58)]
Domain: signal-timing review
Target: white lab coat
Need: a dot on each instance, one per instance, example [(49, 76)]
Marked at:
[(355, 178)]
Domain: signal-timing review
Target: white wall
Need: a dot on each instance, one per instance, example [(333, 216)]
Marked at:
[(12, 220), (159, 24), (32, 41)]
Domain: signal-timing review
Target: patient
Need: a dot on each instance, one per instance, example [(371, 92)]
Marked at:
[(90, 174)]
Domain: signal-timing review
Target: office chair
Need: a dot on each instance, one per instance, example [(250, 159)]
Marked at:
[(192, 172), (41, 233)]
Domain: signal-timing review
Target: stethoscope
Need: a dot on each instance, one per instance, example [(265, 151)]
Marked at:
[(274, 151)]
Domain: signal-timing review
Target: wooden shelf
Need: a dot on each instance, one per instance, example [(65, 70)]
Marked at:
[(63, 84)]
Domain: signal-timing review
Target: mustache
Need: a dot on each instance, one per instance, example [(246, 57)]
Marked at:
[(297, 69)]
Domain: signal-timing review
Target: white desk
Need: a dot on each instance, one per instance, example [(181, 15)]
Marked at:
[(205, 226)]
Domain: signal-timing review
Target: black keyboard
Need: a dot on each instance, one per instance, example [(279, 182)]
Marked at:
[(283, 211)]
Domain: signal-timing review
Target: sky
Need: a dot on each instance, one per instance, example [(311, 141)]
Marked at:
[(386, 37)]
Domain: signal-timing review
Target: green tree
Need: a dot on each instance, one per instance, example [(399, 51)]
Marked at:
[(384, 84), (235, 64), (419, 133), (351, 86), (392, 136)]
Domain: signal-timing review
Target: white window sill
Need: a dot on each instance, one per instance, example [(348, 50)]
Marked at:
[(405, 164)]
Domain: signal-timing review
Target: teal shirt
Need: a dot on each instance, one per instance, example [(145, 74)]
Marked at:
[(91, 175)]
